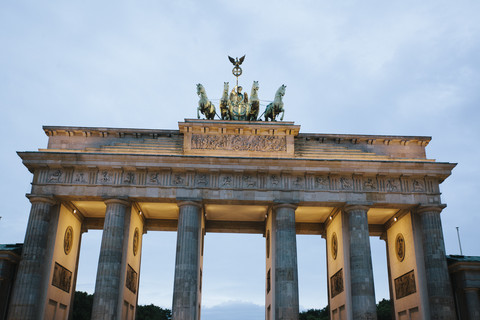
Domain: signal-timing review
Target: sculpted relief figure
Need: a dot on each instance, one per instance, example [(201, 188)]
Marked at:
[(205, 106)]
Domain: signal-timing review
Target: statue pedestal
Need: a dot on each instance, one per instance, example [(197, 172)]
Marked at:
[(238, 138)]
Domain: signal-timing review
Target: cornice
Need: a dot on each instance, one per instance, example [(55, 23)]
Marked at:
[(105, 132), (70, 131), (366, 139)]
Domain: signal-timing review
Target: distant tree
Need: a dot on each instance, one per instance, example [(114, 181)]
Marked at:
[(82, 306), (315, 314), (152, 312), (384, 310)]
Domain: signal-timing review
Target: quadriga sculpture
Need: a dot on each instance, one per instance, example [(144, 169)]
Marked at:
[(224, 105), (205, 106), (276, 107), (254, 103)]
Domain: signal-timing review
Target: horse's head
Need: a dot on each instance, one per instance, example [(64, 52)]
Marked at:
[(200, 88), (225, 86), (281, 90), (255, 86)]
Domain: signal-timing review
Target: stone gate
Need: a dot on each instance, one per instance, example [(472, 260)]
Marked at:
[(234, 176)]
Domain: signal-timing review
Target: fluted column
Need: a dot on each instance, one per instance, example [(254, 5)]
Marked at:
[(26, 298), (109, 272), (286, 272), (361, 272), (440, 294), (187, 262)]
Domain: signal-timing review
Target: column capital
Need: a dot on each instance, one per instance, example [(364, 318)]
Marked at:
[(41, 198), (356, 206), (122, 201), (279, 205), (189, 202), (430, 208)]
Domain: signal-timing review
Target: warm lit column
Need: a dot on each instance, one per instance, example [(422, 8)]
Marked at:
[(187, 262), (440, 294), (109, 272), (285, 251), (361, 272), (26, 300)]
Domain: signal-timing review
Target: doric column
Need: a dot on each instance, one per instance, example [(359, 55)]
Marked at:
[(361, 272), (473, 303), (439, 289), (286, 273), (109, 272), (187, 262), (28, 289)]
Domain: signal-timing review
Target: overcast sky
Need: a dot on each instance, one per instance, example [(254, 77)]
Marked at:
[(366, 67)]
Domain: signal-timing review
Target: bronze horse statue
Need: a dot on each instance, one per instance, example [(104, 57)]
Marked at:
[(224, 103), (276, 107), (205, 106), (254, 103)]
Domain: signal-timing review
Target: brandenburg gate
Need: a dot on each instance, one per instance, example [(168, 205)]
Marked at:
[(234, 176)]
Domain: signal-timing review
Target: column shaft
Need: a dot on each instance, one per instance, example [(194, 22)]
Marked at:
[(109, 272), (361, 272), (440, 294), (187, 263), (26, 298), (286, 272)]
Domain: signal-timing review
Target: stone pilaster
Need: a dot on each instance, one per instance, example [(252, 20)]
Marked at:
[(286, 272), (109, 273), (186, 301), (361, 272), (28, 288), (473, 303), (439, 289)]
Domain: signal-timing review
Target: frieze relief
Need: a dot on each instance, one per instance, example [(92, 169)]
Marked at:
[(178, 179), (153, 178), (55, 176), (322, 183), (418, 186), (226, 181), (239, 143), (249, 181), (129, 178), (369, 184), (80, 177), (234, 180), (346, 183), (392, 185), (298, 182), (201, 180), (105, 177)]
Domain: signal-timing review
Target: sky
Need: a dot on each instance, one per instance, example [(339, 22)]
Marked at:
[(351, 67)]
